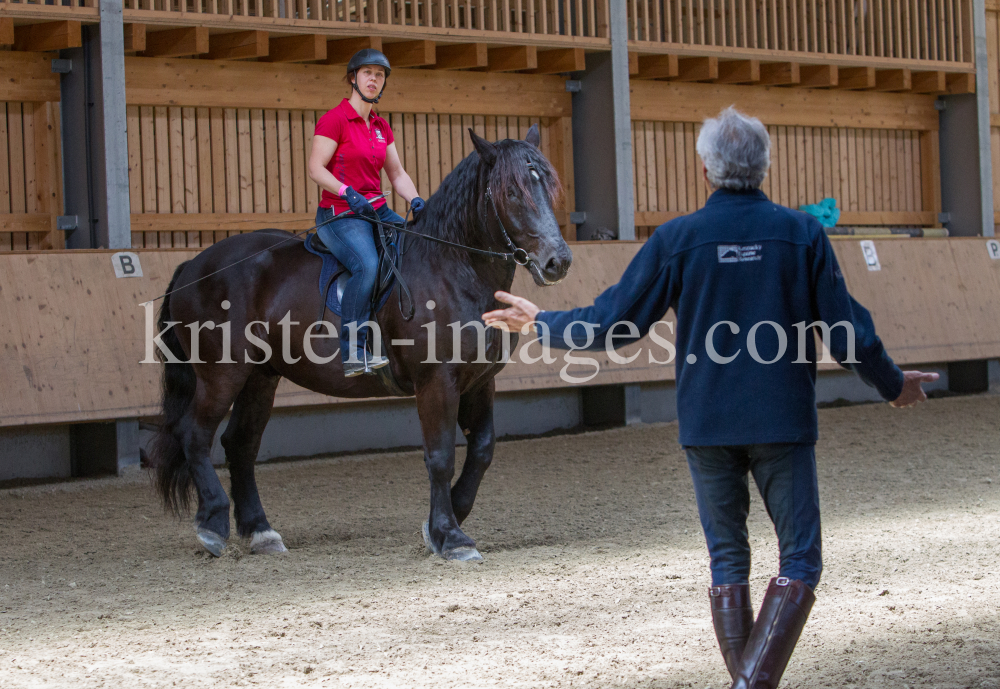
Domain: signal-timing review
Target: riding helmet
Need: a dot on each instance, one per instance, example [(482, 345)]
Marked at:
[(368, 56)]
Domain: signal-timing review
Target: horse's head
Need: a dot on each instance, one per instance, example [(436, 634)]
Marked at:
[(522, 187)]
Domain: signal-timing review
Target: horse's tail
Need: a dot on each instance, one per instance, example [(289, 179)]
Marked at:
[(173, 476)]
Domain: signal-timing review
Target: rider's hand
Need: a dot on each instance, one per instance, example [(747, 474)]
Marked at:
[(417, 206), (521, 313), (358, 203), (912, 391)]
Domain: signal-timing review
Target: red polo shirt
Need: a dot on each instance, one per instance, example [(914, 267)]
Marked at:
[(360, 152)]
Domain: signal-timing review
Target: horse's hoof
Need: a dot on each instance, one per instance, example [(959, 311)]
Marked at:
[(267, 543), (211, 541), (465, 553), (427, 540)]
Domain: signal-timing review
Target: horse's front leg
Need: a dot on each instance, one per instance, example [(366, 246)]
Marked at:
[(475, 418), (437, 406)]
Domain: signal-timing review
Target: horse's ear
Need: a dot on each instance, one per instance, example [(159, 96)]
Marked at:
[(533, 137), (487, 151)]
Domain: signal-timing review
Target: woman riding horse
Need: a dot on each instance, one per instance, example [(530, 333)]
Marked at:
[(351, 147)]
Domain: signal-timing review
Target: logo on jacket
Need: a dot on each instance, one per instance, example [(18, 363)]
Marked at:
[(378, 135), (739, 253)]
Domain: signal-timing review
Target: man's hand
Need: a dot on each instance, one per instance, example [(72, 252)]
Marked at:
[(912, 391), (521, 313)]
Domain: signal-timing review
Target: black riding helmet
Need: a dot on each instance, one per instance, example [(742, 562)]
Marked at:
[(368, 56)]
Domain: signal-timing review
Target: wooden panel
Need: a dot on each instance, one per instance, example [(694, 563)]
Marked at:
[(59, 302), (678, 102), (27, 77), (211, 83)]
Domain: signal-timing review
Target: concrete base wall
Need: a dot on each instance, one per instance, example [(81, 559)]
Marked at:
[(44, 452)]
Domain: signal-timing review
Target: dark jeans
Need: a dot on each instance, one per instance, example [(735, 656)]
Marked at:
[(351, 240), (785, 474)]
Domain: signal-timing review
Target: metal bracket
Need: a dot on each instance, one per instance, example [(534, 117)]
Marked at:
[(944, 218), (940, 104), (577, 217), (62, 66), (67, 223), (574, 85)]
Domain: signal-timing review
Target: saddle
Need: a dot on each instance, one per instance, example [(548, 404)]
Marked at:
[(333, 278)]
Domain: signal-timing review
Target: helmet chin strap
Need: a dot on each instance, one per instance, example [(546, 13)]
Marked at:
[(374, 100)]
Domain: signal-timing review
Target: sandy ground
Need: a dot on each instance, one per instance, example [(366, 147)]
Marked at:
[(595, 571)]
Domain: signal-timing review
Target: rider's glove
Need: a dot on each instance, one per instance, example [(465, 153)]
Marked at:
[(358, 203), (417, 206)]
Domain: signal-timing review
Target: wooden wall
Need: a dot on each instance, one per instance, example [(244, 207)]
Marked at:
[(221, 147), (876, 153), (993, 55)]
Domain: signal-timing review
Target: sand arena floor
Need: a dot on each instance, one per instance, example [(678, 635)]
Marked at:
[(595, 571)]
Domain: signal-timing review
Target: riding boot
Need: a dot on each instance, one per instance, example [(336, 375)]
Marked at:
[(783, 614), (732, 617)]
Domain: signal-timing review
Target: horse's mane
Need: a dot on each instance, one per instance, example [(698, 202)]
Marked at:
[(454, 211)]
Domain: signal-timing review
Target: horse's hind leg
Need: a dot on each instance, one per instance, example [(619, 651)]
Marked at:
[(241, 441), (475, 418)]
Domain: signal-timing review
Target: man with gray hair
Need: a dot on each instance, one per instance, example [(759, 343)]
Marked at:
[(743, 264)]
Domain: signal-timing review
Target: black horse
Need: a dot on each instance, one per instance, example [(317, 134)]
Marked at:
[(502, 188)]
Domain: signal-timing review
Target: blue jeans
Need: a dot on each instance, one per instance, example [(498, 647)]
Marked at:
[(785, 474), (352, 241)]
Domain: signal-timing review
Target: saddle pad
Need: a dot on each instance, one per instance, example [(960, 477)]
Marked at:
[(331, 266)]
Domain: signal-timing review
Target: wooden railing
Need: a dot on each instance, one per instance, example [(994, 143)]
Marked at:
[(584, 18), (934, 30)]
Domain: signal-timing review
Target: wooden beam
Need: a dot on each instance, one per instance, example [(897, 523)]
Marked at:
[(856, 78), (739, 72), (135, 38), (48, 36), (341, 51), (893, 80), (930, 82), (961, 83), (633, 64), (697, 69), (513, 58), (462, 56), (239, 45), (183, 42), (411, 53), (27, 77), (559, 61), (780, 74), (819, 76), (303, 48), (6, 31), (25, 222), (657, 67)]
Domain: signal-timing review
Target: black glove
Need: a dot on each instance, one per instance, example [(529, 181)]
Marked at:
[(417, 206), (358, 203)]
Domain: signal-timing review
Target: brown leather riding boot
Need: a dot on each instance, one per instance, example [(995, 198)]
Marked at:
[(732, 617), (783, 614)]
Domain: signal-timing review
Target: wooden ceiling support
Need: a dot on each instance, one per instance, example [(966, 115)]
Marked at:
[(739, 72), (856, 78), (183, 42), (930, 82), (239, 45), (819, 76), (411, 53), (780, 74), (462, 56), (961, 83), (340, 52), (48, 36), (893, 80), (657, 67), (560, 60), (302, 48), (135, 38), (513, 58), (6, 31), (697, 69)]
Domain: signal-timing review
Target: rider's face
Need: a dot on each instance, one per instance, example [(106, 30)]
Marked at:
[(370, 79)]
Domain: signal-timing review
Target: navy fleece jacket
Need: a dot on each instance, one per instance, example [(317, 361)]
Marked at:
[(745, 260)]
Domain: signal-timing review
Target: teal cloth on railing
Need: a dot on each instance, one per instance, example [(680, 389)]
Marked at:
[(825, 211)]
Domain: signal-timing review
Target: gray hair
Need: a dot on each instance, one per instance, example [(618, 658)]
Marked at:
[(736, 150)]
